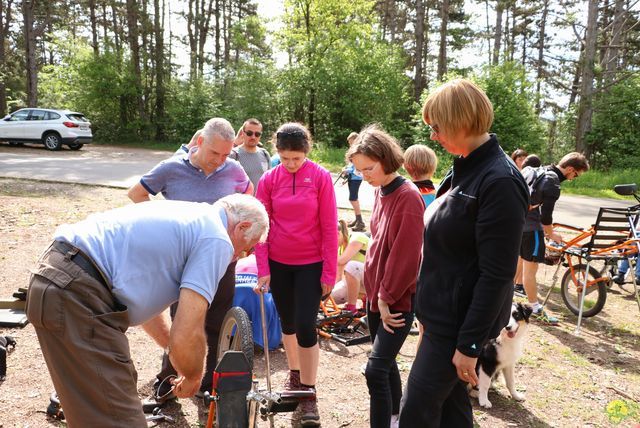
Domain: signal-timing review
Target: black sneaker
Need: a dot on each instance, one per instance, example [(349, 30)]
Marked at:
[(359, 227), (518, 290), (618, 278)]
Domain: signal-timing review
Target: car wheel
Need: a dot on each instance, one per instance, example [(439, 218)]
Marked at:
[(75, 146), (13, 143), (52, 141)]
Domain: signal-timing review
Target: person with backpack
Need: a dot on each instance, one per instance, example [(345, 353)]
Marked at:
[(254, 159), (544, 188)]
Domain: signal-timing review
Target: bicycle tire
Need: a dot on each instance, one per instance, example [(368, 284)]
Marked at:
[(571, 293), (236, 334)]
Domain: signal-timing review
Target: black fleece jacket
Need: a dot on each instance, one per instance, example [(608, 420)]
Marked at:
[(471, 244)]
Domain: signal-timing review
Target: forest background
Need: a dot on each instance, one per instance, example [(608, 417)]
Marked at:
[(563, 75)]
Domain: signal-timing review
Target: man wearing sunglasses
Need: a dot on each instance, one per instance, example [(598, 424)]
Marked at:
[(254, 159)]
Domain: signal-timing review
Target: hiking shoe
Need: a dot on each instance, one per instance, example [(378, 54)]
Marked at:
[(310, 417), (542, 316), (359, 227), (293, 382), (518, 290), (353, 223)]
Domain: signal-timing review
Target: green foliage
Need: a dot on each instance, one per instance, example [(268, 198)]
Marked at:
[(342, 77), (515, 122), (189, 105), (616, 126), (252, 91)]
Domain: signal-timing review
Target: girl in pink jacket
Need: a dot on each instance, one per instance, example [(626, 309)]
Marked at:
[(298, 260)]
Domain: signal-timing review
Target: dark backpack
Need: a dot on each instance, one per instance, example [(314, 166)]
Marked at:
[(533, 177)]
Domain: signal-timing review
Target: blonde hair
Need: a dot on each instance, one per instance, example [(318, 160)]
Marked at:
[(420, 159), (352, 137), (376, 144), (459, 105), (343, 230)]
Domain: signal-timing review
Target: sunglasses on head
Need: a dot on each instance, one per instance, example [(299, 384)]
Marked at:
[(250, 133)]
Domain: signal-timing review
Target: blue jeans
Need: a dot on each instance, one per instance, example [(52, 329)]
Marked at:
[(623, 267)]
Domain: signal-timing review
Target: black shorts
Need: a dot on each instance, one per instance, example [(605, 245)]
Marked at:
[(532, 246), (354, 185)]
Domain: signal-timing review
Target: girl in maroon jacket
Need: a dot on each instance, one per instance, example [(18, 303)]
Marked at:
[(391, 267)]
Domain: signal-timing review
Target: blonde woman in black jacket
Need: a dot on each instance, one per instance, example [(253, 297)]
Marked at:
[(471, 242)]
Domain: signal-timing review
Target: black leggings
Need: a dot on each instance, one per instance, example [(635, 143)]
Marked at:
[(383, 377), (296, 291)]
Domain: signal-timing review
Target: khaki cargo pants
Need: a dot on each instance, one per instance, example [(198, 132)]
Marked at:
[(81, 330)]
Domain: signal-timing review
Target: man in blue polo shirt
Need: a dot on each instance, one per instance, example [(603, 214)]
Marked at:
[(205, 174), (124, 267)]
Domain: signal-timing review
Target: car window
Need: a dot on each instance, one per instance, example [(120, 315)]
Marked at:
[(77, 117), (37, 115), (51, 116), (20, 115)]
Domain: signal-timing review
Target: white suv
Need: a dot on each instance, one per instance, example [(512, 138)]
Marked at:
[(53, 128)]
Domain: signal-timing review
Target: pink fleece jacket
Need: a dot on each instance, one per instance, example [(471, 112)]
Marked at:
[(303, 219)]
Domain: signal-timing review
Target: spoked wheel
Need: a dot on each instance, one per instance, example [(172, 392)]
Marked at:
[(236, 334), (571, 290)]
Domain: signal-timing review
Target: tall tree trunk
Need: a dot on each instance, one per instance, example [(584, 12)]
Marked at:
[(217, 36), (497, 39), (192, 29), (105, 28), (94, 27), (418, 81), (132, 24), (122, 99), (237, 48), (442, 54), (30, 52), (159, 60), (585, 108), (116, 31), (203, 32), (227, 32), (541, 49), (612, 56), (512, 33), (575, 85), (5, 23)]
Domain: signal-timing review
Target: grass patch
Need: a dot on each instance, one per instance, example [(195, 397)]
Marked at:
[(573, 358), (331, 158), (600, 184)]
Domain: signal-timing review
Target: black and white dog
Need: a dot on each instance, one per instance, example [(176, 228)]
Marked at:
[(501, 354)]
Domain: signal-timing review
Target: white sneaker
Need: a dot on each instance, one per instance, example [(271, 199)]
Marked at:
[(395, 421)]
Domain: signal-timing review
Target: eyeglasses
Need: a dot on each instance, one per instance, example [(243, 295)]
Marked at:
[(434, 129), (250, 133), (369, 169)]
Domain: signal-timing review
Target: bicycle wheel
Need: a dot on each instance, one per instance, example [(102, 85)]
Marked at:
[(236, 334), (596, 294)]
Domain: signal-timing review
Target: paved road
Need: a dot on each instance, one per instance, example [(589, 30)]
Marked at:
[(122, 167)]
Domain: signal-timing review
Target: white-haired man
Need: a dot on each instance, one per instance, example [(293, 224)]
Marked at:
[(124, 267), (204, 174)]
